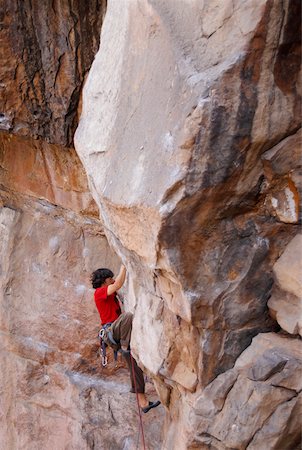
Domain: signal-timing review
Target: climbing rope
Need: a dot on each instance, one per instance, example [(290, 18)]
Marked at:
[(139, 409)]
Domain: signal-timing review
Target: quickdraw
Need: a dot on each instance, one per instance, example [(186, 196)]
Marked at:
[(104, 358), (103, 344)]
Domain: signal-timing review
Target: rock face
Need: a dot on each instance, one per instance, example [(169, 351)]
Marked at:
[(255, 404), (45, 171), (190, 138), (46, 51), (54, 392), (282, 168), (286, 302)]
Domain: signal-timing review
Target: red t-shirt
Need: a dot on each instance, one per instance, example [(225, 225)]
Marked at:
[(107, 305)]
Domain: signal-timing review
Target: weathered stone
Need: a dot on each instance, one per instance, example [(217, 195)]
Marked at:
[(284, 203), (206, 442), (49, 294), (251, 412), (267, 365), (48, 322), (212, 399), (50, 407), (54, 392), (188, 245), (45, 171), (163, 390), (286, 303), (184, 376), (56, 291), (290, 376), (288, 268), (282, 169), (283, 428), (182, 101), (246, 410), (286, 308), (181, 187), (288, 347), (284, 158), (46, 51)]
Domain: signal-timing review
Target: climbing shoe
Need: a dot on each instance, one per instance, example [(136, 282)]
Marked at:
[(150, 406)]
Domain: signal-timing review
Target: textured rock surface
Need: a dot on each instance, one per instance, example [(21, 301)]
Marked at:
[(45, 171), (190, 139), (286, 301), (180, 109), (288, 267), (282, 167), (46, 50), (54, 393), (251, 405)]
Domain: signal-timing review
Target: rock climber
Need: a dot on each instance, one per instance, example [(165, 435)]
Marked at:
[(120, 325)]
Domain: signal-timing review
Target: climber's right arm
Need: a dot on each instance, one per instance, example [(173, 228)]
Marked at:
[(119, 281)]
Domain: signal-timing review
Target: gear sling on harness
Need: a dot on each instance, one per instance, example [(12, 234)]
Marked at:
[(106, 338)]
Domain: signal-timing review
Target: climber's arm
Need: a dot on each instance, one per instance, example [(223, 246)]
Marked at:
[(120, 279)]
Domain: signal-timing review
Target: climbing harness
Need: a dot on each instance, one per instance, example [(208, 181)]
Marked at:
[(106, 338), (138, 407)]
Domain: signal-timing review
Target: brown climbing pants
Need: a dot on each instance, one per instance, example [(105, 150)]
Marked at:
[(121, 332), (121, 329)]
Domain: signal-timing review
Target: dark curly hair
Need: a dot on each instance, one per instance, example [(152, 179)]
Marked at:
[(99, 276)]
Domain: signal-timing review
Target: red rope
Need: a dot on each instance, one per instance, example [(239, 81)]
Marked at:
[(139, 409)]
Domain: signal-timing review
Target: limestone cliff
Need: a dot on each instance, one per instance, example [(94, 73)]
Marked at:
[(47, 49), (190, 139), (54, 392)]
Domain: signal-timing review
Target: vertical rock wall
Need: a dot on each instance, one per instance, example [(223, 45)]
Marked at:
[(48, 323), (47, 50), (189, 135), (54, 393)]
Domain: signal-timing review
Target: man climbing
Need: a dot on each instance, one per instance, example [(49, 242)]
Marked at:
[(119, 326)]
